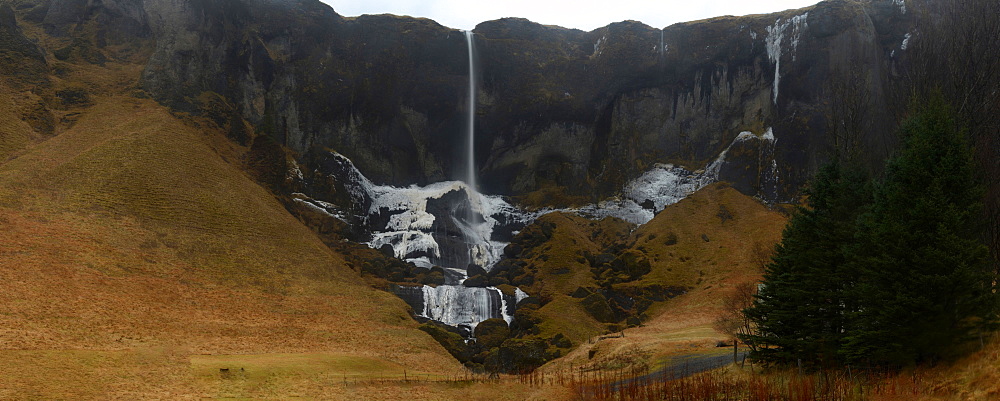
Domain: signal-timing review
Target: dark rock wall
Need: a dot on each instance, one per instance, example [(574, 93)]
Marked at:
[(592, 110), (557, 107)]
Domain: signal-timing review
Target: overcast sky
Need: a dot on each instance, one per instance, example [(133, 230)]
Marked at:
[(581, 14)]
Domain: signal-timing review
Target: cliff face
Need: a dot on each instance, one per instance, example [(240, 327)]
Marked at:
[(585, 111), (603, 106), (383, 90)]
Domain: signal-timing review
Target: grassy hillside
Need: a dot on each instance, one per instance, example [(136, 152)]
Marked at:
[(129, 231), (136, 255), (707, 244), (17, 132)]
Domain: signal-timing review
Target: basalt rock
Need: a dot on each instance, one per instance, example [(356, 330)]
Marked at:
[(584, 112)]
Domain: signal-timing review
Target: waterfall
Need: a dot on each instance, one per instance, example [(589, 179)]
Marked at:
[(662, 50), (457, 305), (448, 224), (460, 306), (471, 109)]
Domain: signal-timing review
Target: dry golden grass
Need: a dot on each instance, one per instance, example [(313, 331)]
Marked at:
[(15, 132), (565, 315), (561, 265), (129, 243), (174, 374), (973, 377)]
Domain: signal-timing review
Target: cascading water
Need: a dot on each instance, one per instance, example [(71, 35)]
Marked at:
[(458, 305), (471, 110), (453, 303)]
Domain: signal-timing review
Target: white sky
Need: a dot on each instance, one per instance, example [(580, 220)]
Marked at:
[(581, 14)]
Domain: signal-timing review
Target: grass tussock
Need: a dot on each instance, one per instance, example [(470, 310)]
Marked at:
[(721, 385)]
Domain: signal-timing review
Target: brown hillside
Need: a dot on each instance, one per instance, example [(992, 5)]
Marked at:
[(132, 242), (738, 230)]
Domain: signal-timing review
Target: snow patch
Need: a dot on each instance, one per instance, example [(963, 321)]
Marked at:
[(406, 243), (319, 206), (768, 135), (409, 227), (597, 46), (664, 185), (906, 41), (902, 6), (745, 135), (398, 216), (519, 295)]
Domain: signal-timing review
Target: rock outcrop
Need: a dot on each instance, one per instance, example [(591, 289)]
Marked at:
[(22, 62)]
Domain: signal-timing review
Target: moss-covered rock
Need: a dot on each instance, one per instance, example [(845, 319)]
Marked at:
[(523, 355), (635, 264), (581, 292), (450, 340), (507, 289), (597, 306), (497, 281), (491, 333), (560, 341), (476, 281)]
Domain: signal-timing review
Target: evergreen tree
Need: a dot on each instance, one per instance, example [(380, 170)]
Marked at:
[(925, 282), (799, 312)]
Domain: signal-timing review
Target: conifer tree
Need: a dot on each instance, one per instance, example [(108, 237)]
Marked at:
[(924, 277), (800, 309)]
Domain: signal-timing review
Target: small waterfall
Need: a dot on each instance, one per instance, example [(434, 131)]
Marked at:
[(471, 110), (457, 305)]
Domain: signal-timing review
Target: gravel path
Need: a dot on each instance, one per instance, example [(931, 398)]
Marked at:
[(682, 367)]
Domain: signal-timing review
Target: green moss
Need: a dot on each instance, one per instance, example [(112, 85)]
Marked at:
[(452, 342), (491, 333), (597, 306)]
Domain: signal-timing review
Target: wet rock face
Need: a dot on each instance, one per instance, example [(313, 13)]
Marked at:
[(556, 107)]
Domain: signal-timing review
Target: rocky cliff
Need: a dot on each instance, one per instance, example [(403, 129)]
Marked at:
[(581, 112)]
